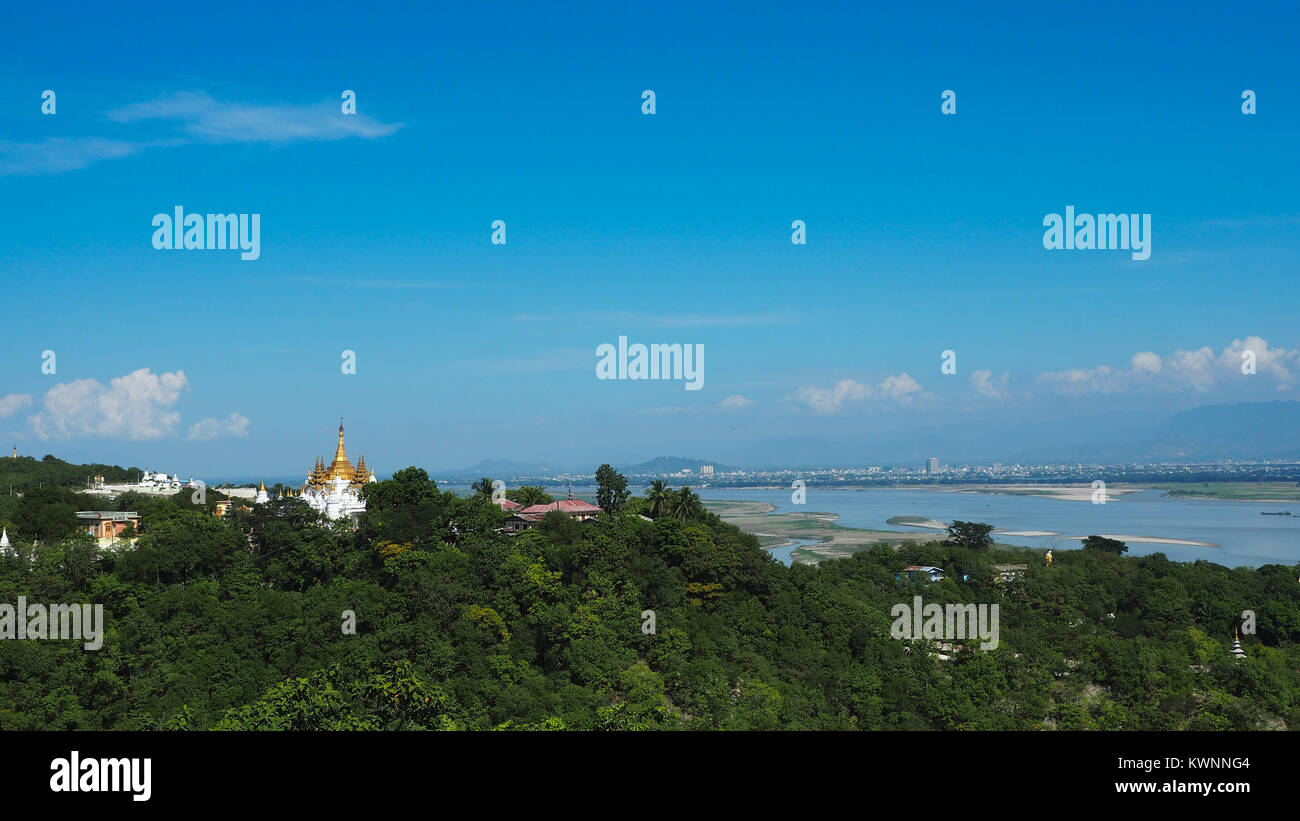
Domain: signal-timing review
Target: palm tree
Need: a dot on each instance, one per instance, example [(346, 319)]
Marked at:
[(658, 495), (483, 487), (685, 504), (529, 495)]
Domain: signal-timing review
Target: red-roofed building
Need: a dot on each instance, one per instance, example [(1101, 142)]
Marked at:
[(576, 508), (506, 504), (529, 516), (107, 525)]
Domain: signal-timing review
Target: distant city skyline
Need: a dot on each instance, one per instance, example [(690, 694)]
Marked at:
[(924, 233)]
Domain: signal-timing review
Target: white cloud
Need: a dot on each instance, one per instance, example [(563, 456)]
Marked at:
[(14, 402), (136, 406), (200, 116), (829, 401), (140, 405), (206, 429), (899, 388), (1278, 363), (54, 155), (735, 401), (985, 385), (826, 401), (1146, 362), (1184, 371)]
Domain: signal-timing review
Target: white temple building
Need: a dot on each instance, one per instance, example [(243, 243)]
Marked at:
[(161, 481), (335, 490)]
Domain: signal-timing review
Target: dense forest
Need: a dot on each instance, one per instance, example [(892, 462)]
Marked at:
[(243, 622), (24, 472)]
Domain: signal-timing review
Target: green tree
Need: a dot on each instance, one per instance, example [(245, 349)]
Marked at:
[(971, 535), (685, 505), (529, 495), (658, 495), (611, 489), (1105, 545)]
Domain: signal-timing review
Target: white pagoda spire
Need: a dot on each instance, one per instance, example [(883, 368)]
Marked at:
[(1236, 645)]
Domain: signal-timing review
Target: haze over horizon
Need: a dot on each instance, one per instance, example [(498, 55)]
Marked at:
[(924, 234)]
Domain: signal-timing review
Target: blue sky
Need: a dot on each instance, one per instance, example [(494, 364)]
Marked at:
[(924, 230)]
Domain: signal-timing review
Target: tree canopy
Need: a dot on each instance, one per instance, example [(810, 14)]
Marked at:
[(611, 489), (1104, 544), (427, 616), (971, 535)]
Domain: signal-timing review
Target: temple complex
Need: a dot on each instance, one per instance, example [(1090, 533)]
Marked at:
[(335, 489)]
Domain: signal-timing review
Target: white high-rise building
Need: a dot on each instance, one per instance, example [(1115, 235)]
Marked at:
[(932, 466)]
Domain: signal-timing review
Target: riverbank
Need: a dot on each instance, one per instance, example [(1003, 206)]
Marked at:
[(828, 539), (814, 536), (1236, 491), (1067, 493)]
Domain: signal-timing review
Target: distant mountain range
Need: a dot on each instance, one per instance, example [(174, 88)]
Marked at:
[(503, 468), (671, 464), (498, 468), (1245, 431)]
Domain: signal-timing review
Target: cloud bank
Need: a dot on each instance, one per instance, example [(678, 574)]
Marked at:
[(138, 406)]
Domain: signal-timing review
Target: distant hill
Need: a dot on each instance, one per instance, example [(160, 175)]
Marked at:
[(661, 465), (497, 468), (1242, 431), (1245, 430), (503, 468)]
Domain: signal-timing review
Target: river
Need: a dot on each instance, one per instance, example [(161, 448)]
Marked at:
[(1243, 537)]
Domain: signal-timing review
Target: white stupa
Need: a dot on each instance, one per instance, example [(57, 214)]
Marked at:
[(335, 489)]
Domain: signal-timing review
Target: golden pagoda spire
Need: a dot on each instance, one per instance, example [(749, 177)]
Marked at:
[(340, 468)]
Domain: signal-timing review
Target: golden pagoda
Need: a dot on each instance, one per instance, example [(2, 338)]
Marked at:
[(341, 468), (322, 475)]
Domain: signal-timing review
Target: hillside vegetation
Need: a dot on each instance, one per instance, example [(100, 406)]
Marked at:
[(238, 623)]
